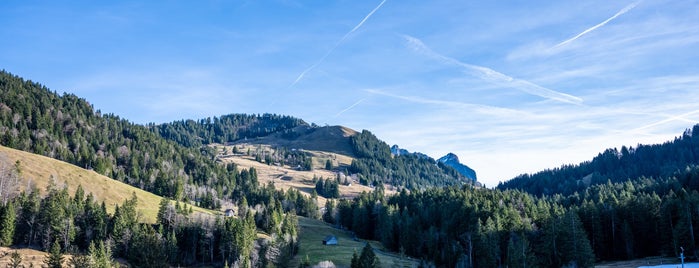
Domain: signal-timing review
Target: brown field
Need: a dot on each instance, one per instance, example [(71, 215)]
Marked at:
[(29, 256), (285, 177)]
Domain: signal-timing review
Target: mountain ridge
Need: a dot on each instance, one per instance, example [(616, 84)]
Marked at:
[(452, 160), (614, 165)]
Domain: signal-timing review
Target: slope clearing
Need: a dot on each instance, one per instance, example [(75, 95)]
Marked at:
[(311, 237), (285, 177), (333, 139), (39, 171)]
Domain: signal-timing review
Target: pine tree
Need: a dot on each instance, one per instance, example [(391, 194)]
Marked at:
[(329, 214), (15, 260), (355, 260), (7, 224), (82, 261), (368, 258), (55, 257), (575, 247), (101, 254), (147, 248), (166, 214)]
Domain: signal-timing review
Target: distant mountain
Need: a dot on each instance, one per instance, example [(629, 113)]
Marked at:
[(396, 151), (374, 163), (453, 161)]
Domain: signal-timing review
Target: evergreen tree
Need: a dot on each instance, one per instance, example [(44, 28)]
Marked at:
[(166, 214), (7, 224), (55, 257), (329, 214), (355, 260), (82, 261), (101, 255), (15, 260), (147, 248), (575, 246), (320, 187), (368, 258)]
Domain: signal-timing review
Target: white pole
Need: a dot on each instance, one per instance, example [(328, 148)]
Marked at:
[(682, 256)]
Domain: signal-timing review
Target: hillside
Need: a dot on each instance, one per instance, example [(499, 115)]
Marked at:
[(372, 160), (312, 234), (39, 171), (615, 165), (170, 160), (375, 164), (68, 128), (290, 177), (332, 139), (226, 128), (30, 257)]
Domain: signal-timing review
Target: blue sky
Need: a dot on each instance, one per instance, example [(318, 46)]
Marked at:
[(511, 87)]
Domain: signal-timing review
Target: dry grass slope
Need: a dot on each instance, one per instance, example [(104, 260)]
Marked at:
[(29, 256), (39, 171), (285, 177)]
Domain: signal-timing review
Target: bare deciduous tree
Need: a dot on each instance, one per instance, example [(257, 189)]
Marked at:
[(9, 178)]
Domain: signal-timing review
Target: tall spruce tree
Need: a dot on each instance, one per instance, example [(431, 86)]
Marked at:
[(368, 258), (55, 257), (7, 224)]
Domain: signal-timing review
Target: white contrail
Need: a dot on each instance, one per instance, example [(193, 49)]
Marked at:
[(681, 117), (350, 107), (313, 66), (621, 12), (366, 18), (491, 75), (479, 108)]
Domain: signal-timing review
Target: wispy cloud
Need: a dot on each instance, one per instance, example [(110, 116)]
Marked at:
[(330, 51), (588, 30), (482, 109), (493, 76), (350, 107)]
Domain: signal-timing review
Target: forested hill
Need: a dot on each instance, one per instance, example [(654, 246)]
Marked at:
[(67, 128), (226, 128), (629, 163), (375, 163), (169, 159)]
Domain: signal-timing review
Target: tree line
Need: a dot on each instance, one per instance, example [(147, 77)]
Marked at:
[(224, 129), (81, 226), (616, 165), (474, 227)]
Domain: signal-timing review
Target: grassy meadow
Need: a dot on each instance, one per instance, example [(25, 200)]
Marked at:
[(39, 171), (311, 237)]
